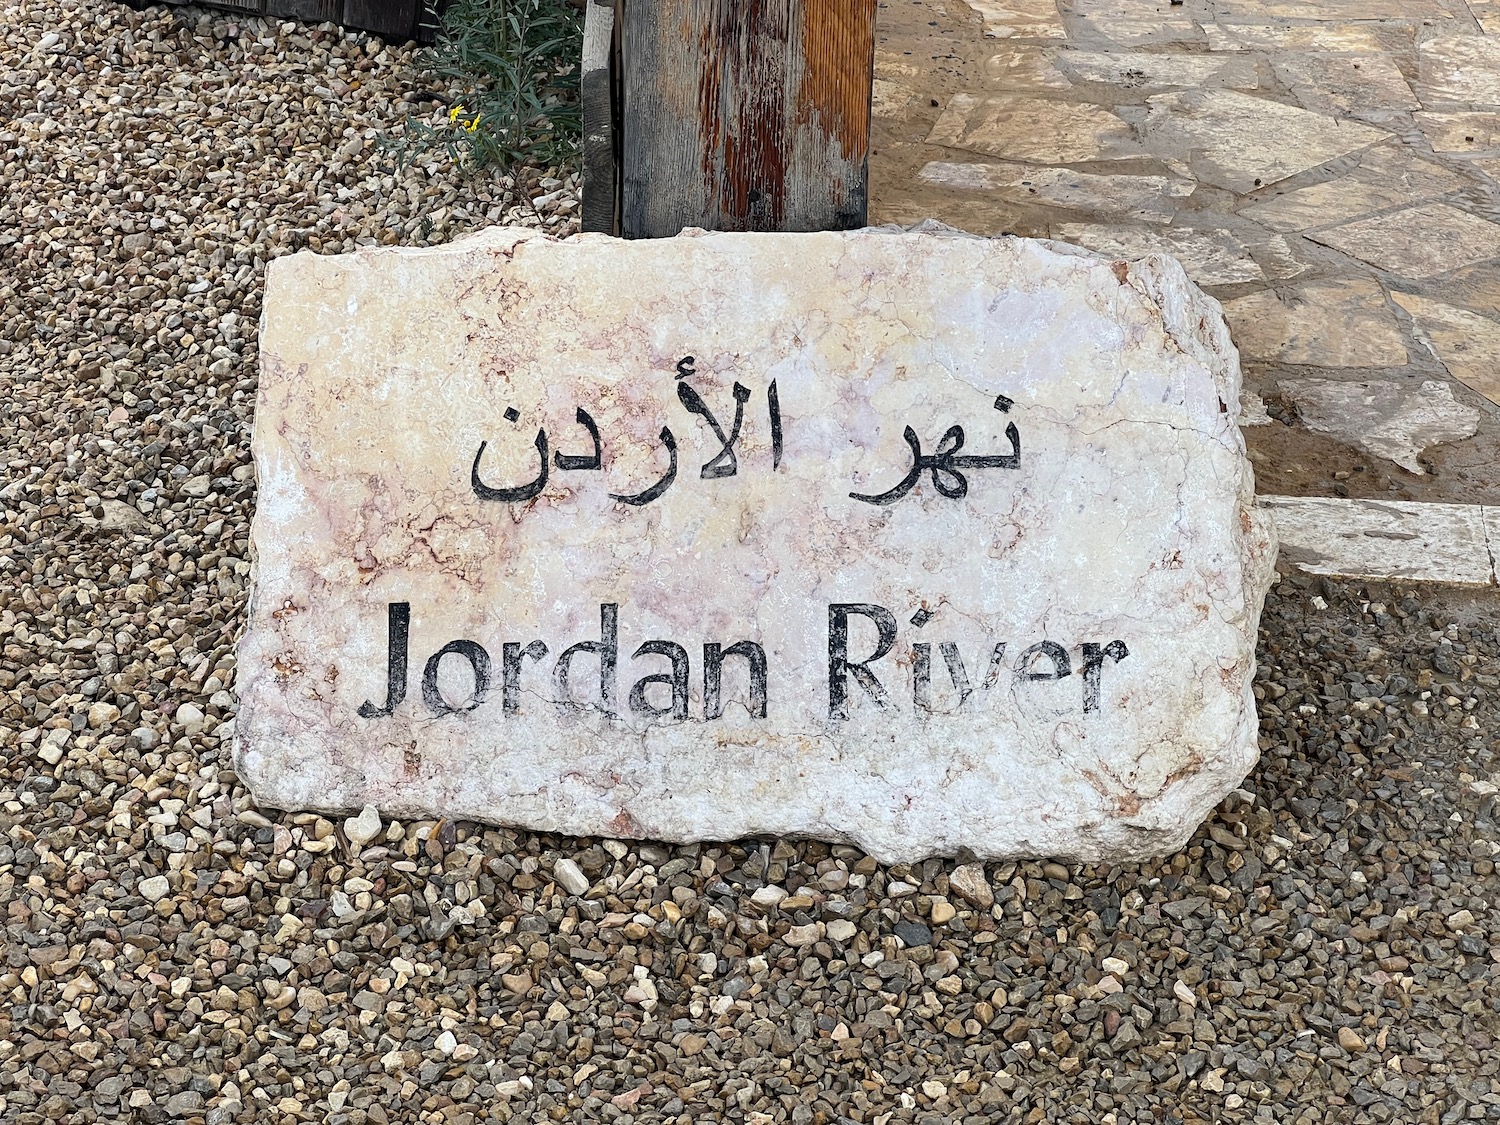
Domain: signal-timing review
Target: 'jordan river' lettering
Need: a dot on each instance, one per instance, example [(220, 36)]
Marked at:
[(668, 695)]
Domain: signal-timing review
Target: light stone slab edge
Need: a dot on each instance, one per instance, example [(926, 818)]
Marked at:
[(1387, 540)]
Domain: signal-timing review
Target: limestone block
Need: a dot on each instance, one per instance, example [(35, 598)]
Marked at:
[(1389, 418), (911, 539), (1418, 242), (1384, 540)]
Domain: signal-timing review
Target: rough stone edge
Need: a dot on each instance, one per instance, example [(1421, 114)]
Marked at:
[(1195, 323)]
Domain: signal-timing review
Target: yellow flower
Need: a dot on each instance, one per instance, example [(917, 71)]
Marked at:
[(473, 124), (455, 113)]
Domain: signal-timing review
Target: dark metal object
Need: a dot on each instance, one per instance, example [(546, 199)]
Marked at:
[(391, 19)]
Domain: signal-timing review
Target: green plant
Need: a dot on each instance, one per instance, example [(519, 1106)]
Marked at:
[(516, 63)]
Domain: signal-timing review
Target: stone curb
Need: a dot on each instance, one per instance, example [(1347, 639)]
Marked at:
[(1454, 544)]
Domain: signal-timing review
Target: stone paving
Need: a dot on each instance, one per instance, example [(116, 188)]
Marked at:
[(1327, 169)]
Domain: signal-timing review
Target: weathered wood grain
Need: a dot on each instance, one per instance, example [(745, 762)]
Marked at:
[(746, 115), (600, 167)]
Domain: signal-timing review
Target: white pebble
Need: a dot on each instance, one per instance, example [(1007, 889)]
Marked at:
[(842, 930), (155, 888), (363, 828), (768, 896), (189, 717), (571, 876)]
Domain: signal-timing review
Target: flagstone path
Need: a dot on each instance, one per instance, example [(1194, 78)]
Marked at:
[(1328, 169)]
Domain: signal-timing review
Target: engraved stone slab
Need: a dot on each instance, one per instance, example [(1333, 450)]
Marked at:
[(911, 539)]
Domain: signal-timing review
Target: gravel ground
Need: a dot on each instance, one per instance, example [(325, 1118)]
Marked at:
[(1327, 949)]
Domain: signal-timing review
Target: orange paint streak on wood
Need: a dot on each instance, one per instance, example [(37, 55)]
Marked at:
[(767, 106), (742, 106), (838, 39)]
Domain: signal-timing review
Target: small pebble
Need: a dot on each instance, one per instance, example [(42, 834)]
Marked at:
[(102, 714), (190, 718), (154, 888), (572, 878), (768, 896), (363, 828), (842, 930), (970, 883), (913, 933)]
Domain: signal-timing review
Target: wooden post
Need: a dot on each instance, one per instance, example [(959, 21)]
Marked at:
[(745, 115), (600, 158)]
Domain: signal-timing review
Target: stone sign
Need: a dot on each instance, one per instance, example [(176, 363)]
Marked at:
[(912, 539)]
